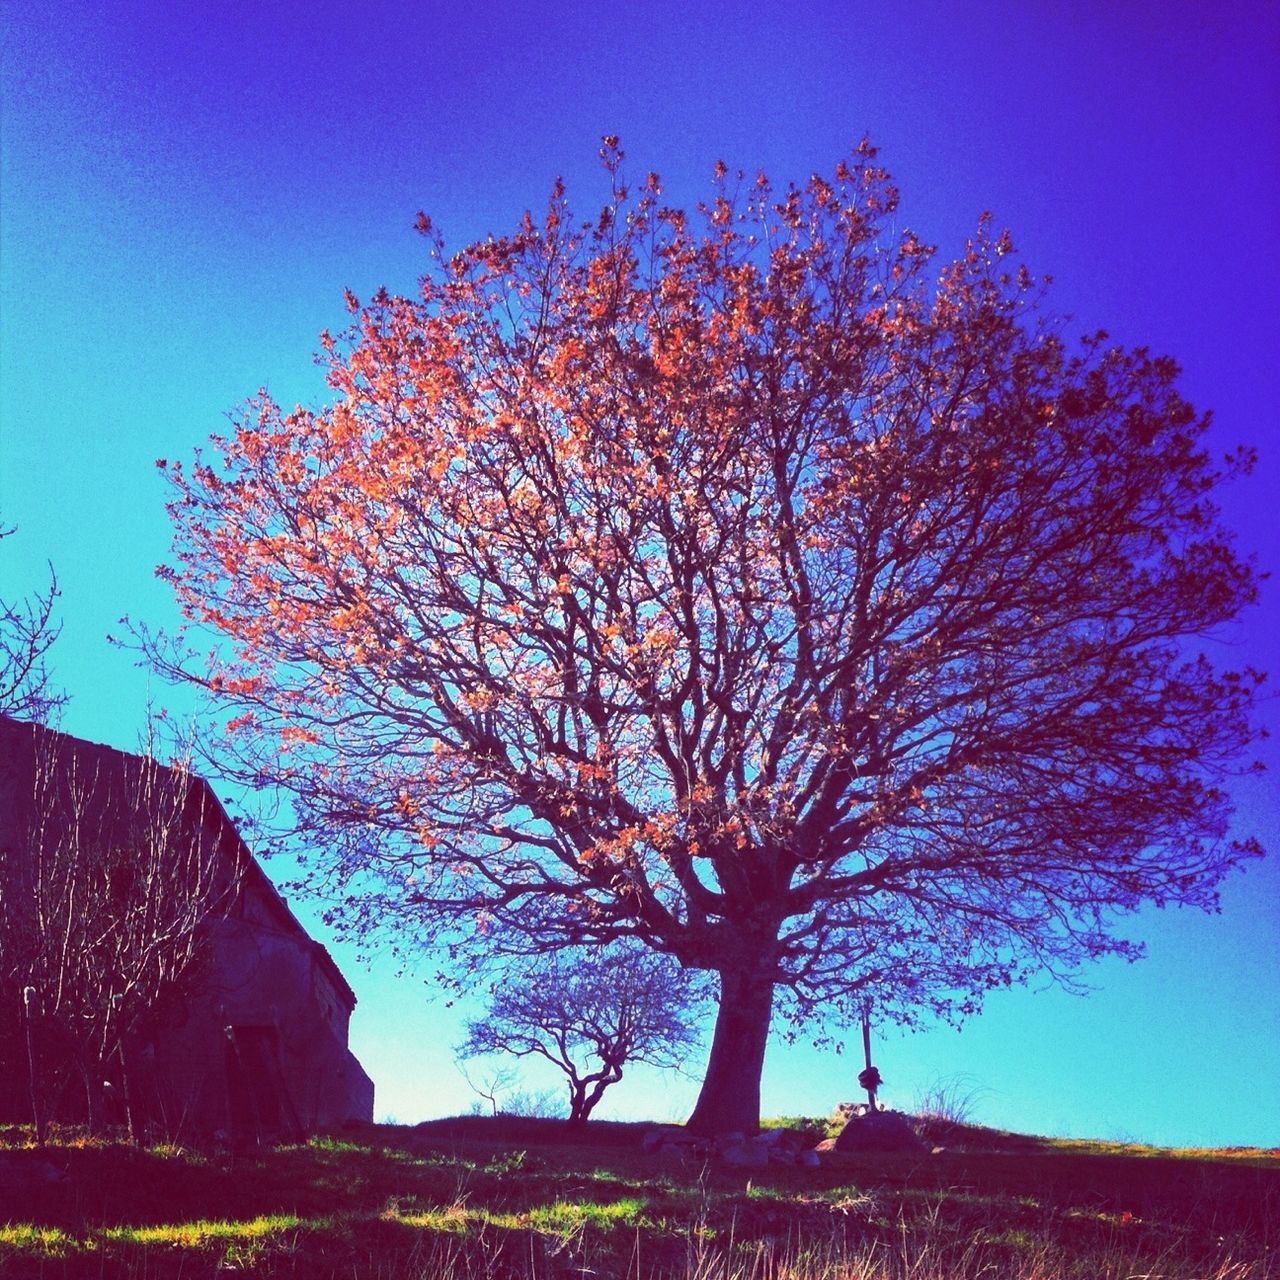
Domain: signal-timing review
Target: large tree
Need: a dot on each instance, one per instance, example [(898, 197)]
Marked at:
[(740, 583)]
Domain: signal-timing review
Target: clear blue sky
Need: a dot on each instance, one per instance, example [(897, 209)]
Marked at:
[(186, 190)]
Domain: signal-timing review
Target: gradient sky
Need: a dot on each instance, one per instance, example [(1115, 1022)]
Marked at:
[(185, 190)]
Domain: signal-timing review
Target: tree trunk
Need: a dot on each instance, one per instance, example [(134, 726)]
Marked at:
[(92, 1091), (33, 1076), (584, 1094), (125, 1096), (730, 1097)]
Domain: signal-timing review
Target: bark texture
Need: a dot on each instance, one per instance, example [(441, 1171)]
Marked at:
[(730, 1098)]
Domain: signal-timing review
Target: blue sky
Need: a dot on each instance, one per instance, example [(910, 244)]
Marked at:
[(185, 190)]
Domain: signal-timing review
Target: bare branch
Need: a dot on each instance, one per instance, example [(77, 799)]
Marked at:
[(27, 633)]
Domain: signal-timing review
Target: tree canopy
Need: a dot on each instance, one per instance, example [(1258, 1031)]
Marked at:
[(740, 582)]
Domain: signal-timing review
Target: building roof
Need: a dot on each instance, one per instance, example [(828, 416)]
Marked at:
[(20, 742)]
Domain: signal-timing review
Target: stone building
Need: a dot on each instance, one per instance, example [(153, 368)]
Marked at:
[(248, 1035)]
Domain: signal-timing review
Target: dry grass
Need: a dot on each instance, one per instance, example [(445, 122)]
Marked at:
[(522, 1199)]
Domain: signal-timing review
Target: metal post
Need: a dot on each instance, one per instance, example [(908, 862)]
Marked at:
[(869, 1077)]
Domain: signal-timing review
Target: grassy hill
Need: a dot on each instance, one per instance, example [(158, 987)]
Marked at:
[(524, 1198)]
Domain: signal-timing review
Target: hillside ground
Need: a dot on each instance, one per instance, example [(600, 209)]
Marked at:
[(506, 1197)]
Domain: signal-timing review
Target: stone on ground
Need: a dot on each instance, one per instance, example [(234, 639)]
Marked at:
[(878, 1131)]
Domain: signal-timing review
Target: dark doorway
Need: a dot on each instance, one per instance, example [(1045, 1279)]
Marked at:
[(258, 1102)]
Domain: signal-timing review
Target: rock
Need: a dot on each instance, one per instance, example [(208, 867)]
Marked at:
[(652, 1139), (777, 1146), (746, 1155), (676, 1142), (672, 1136), (827, 1144), (843, 1111), (808, 1160), (878, 1131)]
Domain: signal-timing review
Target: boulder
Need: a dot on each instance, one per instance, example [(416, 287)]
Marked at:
[(652, 1139), (878, 1131)]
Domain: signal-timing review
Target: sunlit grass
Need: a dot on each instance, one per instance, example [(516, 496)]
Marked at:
[(194, 1235), (452, 1219), (50, 1242), (566, 1215)]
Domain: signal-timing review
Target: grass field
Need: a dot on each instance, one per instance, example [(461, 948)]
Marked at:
[(524, 1198)]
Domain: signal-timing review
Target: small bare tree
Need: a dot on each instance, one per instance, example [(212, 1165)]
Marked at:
[(27, 632), (589, 1014), (491, 1086), (106, 904)]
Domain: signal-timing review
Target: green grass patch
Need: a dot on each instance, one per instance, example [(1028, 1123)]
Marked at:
[(194, 1235), (565, 1216), (45, 1242)]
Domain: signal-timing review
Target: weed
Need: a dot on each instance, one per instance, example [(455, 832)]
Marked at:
[(511, 1163)]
